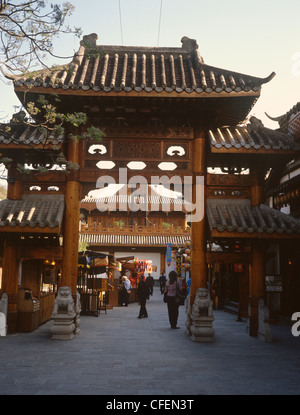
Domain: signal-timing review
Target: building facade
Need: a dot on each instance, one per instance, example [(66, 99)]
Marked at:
[(165, 113)]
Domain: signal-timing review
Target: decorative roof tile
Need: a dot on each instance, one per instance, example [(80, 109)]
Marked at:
[(253, 136), (32, 211), (133, 240), (125, 68), (239, 216), (16, 132)]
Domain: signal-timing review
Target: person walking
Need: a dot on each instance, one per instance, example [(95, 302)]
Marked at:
[(162, 282), (143, 293), (150, 282), (172, 285), (126, 289)]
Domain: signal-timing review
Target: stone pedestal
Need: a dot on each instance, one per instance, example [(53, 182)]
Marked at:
[(3, 327), (202, 330), (3, 314), (202, 317), (78, 311), (264, 329), (63, 327)]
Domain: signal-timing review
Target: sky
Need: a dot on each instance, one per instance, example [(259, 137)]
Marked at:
[(254, 38)]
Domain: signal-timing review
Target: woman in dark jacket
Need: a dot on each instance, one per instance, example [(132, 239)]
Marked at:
[(143, 293), (171, 288)]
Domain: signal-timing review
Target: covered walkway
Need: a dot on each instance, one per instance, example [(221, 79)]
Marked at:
[(118, 354)]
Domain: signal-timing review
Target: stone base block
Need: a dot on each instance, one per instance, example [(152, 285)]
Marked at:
[(188, 327), (202, 330), (3, 326), (63, 327)]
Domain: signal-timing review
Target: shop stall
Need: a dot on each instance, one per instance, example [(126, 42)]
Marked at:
[(94, 282)]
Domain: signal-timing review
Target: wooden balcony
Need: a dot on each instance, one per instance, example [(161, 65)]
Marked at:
[(96, 228)]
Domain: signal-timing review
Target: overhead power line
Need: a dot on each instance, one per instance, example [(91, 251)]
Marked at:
[(120, 14), (161, 2)]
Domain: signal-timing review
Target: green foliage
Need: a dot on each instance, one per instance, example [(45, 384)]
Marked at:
[(55, 121), (94, 134), (82, 246), (119, 223), (76, 119)]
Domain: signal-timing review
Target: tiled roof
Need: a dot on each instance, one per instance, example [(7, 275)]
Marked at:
[(239, 216), (22, 134), (128, 200), (133, 240), (124, 68), (253, 136), (284, 119), (32, 211)]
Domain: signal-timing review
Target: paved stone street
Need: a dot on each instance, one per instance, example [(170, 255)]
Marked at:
[(118, 354)]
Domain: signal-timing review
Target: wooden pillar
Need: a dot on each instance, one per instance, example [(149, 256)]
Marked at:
[(162, 262), (71, 223), (257, 268), (14, 183), (256, 286), (10, 275), (257, 186), (198, 235)]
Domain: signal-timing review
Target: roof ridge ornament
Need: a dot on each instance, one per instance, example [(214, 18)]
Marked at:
[(191, 46), (255, 124), (89, 41)]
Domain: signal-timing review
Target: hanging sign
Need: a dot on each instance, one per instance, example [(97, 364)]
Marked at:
[(169, 254), (178, 265)]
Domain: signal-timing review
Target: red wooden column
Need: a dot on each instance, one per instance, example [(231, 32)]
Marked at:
[(15, 183), (10, 273), (71, 222), (198, 236), (10, 277), (257, 267)]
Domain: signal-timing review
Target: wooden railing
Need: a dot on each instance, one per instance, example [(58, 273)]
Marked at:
[(134, 229)]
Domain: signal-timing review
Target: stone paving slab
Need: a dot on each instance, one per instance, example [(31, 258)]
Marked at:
[(118, 354)]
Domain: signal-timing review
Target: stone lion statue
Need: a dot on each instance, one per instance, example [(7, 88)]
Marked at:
[(203, 305), (64, 303)]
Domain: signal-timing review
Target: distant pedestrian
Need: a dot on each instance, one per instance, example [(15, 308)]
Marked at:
[(162, 282), (172, 285), (143, 293), (188, 285), (126, 290), (150, 282)]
